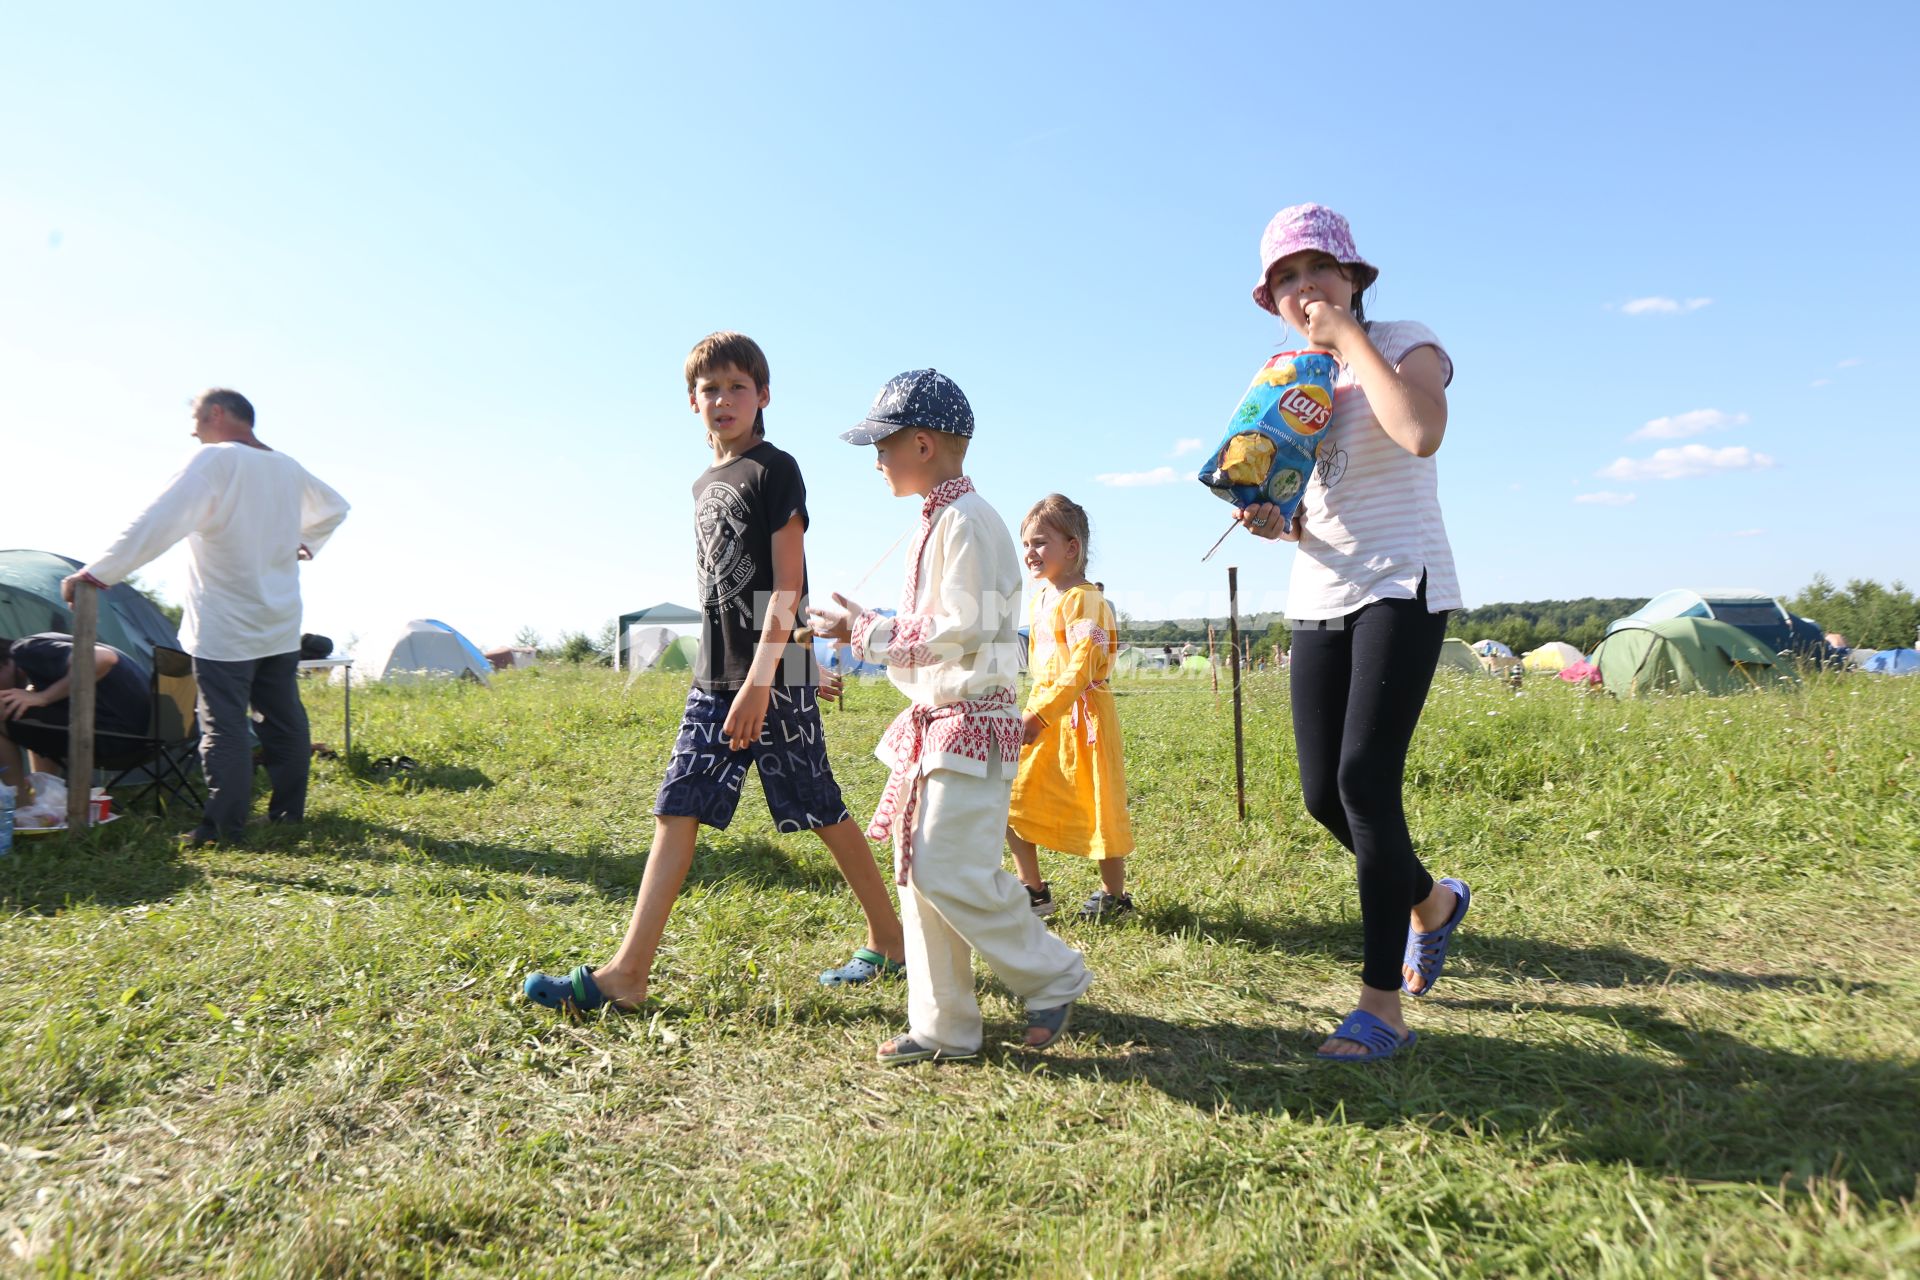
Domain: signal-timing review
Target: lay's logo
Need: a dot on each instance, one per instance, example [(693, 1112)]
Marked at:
[(1309, 409)]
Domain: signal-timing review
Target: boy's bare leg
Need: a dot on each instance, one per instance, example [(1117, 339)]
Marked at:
[(623, 979), (854, 856), (1113, 875), (1026, 860)]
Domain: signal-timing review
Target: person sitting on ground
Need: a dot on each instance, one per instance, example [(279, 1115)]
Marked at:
[(36, 674)]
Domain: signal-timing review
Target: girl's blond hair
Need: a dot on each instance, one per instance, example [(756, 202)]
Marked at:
[(1063, 514)]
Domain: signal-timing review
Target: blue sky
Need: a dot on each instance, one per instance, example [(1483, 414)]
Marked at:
[(456, 255)]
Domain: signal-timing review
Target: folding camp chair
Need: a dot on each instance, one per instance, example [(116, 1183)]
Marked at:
[(169, 750)]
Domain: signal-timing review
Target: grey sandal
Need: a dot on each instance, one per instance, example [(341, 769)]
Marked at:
[(1052, 1021)]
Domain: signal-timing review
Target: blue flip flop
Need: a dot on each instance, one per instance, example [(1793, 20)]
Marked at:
[(903, 1049), (1376, 1037), (1426, 953), (1052, 1021), (575, 993)]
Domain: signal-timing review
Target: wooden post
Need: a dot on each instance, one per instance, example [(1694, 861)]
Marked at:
[(80, 700), (1233, 642), (1213, 664)]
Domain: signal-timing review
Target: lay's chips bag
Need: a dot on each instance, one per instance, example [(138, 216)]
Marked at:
[(1270, 445)]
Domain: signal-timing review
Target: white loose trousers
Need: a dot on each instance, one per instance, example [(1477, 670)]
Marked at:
[(960, 899)]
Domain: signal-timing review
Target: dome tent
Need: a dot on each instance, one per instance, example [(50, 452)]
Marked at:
[(30, 603), (1554, 655), (1754, 612), (1492, 649), (1894, 662), (1687, 655), (421, 649), (1458, 655)]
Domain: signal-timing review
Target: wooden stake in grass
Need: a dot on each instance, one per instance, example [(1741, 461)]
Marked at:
[(1233, 641), (86, 630)]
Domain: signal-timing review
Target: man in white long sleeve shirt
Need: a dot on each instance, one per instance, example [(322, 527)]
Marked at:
[(249, 515)]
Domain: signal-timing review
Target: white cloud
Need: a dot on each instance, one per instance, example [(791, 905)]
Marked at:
[(1181, 448), (1748, 533), (1605, 498), (1135, 479), (1663, 306), (1851, 362), (1821, 382), (1684, 462), (1692, 423)]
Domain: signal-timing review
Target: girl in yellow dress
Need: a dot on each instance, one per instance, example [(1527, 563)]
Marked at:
[(1071, 791)]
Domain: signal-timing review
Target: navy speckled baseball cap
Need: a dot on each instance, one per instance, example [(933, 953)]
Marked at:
[(924, 398)]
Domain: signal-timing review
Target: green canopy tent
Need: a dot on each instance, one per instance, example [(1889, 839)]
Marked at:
[(30, 603), (1687, 655), (659, 615)]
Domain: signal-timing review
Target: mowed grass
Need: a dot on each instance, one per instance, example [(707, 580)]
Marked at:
[(1677, 1036)]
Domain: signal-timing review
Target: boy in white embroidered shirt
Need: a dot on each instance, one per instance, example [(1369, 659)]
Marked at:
[(953, 753)]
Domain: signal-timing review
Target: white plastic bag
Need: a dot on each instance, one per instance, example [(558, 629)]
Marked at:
[(49, 807)]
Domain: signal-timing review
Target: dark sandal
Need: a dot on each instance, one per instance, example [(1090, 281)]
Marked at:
[(1052, 1021), (902, 1049)]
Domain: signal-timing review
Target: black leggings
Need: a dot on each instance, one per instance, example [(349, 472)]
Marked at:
[(1357, 695)]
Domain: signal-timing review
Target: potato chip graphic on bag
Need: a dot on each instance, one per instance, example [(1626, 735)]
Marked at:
[(1274, 434)]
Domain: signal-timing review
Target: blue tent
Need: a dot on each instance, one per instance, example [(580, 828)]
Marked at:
[(1894, 662), (839, 658)]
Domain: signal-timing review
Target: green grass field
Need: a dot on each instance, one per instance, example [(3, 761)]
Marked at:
[(1677, 1036)]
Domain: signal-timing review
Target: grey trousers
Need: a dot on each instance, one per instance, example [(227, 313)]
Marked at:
[(271, 687)]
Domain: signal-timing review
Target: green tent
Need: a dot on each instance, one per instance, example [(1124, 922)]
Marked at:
[(1458, 655), (30, 603), (678, 656), (1129, 662), (1686, 655), (1196, 664)]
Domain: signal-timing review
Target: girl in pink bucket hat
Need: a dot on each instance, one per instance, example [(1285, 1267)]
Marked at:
[(1367, 603)]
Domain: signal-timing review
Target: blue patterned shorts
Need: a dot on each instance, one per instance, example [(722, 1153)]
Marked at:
[(703, 778)]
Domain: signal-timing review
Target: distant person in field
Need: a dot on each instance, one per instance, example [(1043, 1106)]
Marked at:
[(1071, 792), (249, 514), (1368, 604), (753, 701), (952, 752), (36, 673)]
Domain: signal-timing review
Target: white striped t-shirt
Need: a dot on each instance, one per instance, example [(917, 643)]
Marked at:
[(1373, 509)]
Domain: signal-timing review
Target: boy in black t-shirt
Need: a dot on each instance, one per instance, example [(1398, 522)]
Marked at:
[(753, 696), (34, 676)]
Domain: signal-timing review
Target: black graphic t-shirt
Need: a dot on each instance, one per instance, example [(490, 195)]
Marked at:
[(737, 507)]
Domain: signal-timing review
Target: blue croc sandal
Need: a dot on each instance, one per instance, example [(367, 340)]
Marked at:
[(575, 993), (1426, 953), (902, 1049), (866, 965), (1376, 1037)]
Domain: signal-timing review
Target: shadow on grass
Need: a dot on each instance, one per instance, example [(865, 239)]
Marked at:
[(757, 862), (1484, 954), (130, 861), (1693, 1103), (407, 774)]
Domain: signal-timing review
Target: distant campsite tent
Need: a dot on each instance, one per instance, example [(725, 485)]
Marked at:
[(1133, 660), (1894, 662), (1754, 612), (1554, 655), (1458, 655), (1196, 664), (30, 603), (421, 649), (838, 657), (683, 654), (1491, 649), (1687, 655), (674, 617), (645, 645)]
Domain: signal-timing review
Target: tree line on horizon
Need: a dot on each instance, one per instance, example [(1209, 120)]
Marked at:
[(1869, 615)]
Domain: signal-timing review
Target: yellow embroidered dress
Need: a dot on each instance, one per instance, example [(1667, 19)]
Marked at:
[(1071, 791)]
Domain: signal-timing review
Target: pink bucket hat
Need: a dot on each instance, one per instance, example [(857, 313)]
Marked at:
[(1309, 226)]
